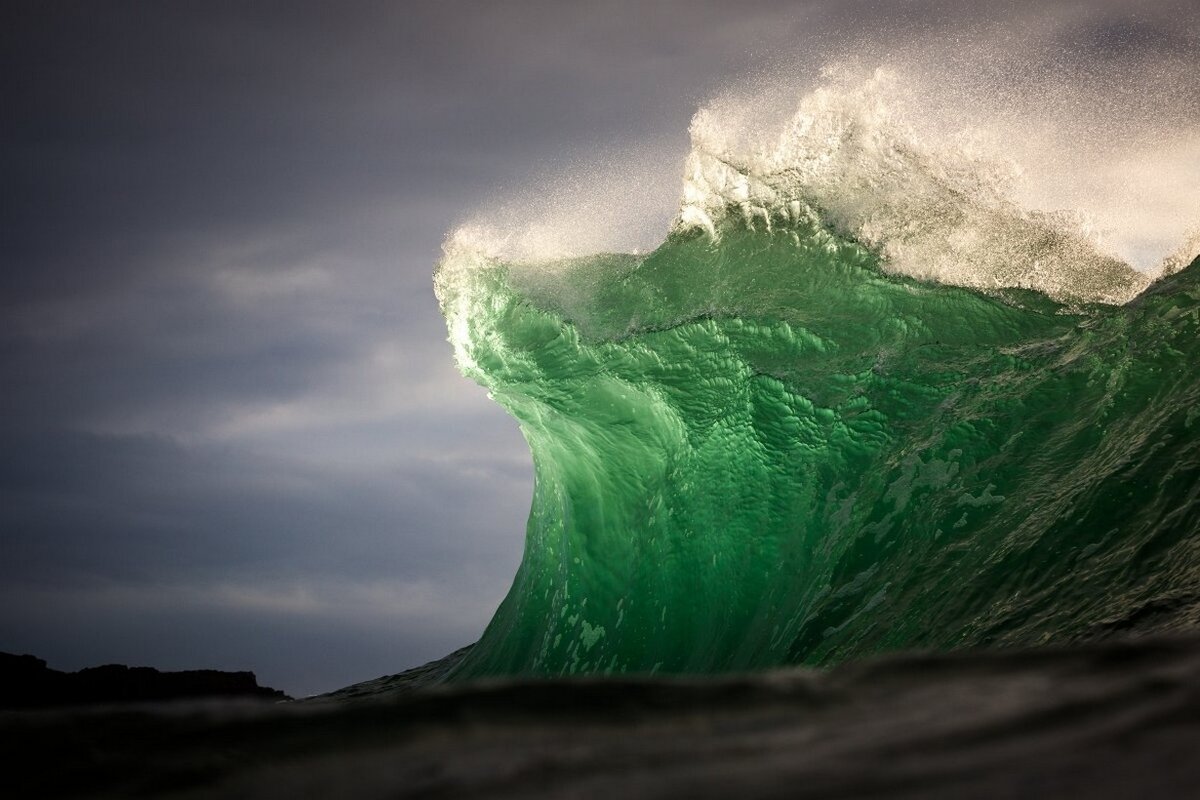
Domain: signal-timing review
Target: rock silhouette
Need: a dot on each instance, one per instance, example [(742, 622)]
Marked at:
[(27, 682)]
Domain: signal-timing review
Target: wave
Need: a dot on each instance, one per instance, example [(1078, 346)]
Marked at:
[(859, 400)]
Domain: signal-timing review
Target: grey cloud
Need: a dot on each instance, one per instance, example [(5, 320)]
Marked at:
[(141, 534), (112, 507)]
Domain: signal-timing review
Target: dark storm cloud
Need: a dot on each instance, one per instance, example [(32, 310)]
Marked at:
[(230, 431), (117, 529), (180, 510)]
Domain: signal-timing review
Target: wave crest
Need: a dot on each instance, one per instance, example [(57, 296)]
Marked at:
[(935, 208)]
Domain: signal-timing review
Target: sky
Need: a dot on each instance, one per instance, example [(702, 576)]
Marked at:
[(232, 434)]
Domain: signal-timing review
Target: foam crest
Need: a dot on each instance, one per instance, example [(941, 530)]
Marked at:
[(1187, 253), (936, 208)]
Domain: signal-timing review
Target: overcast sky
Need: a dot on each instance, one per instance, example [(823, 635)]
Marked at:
[(231, 432)]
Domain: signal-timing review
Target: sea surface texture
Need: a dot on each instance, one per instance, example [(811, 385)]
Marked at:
[(858, 401)]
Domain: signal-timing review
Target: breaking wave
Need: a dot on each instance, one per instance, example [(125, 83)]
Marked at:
[(859, 400)]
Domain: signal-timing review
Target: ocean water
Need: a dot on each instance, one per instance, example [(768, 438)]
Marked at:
[(859, 400)]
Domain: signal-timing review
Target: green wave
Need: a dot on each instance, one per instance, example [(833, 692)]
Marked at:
[(766, 450)]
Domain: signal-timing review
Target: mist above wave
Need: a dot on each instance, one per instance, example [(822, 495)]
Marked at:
[(936, 205), (1026, 174)]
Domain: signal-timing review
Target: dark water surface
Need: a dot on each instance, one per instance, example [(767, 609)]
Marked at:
[(1116, 720)]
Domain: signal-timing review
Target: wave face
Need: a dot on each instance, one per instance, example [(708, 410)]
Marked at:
[(782, 437)]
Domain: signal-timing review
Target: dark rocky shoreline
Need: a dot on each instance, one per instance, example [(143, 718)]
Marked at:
[(1114, 720), (26, 682)]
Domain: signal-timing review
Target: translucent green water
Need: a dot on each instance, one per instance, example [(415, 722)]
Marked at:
[(768, 451)]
